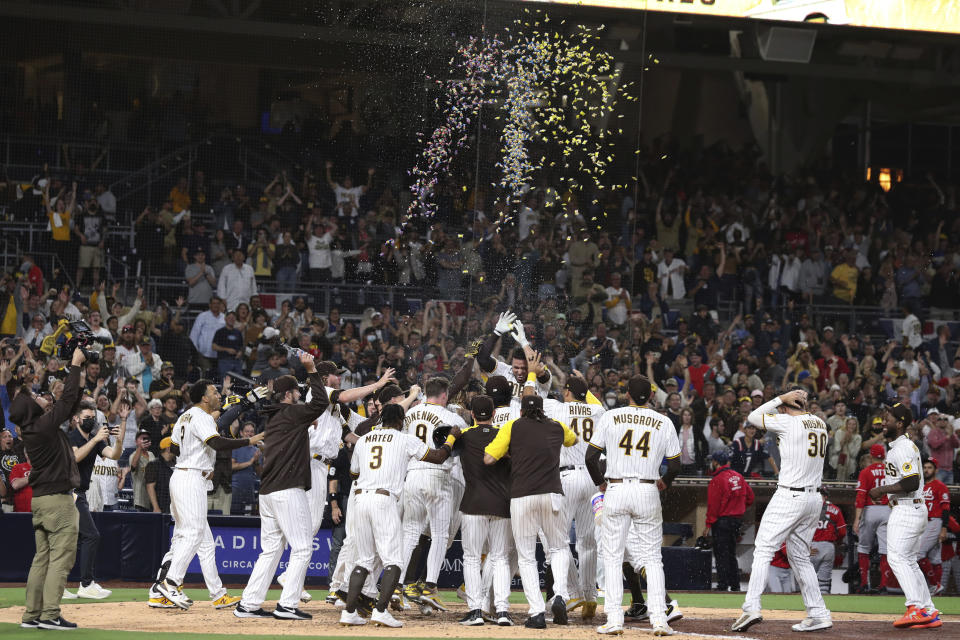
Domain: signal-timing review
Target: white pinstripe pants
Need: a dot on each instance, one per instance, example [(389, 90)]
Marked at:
[(905, 528), (378, 529), (494, 533), (426, 499), (281, 521), (317, 499), (347, 560), (457, 489), (632, 511), (578, 488), (191, 531), (528, 515)]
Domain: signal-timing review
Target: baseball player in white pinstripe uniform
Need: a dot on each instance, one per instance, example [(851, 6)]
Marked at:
[(794, 510), (195, 441), (427, 497), (578, 489), (516, 372), (908, 520), (381, 460), (636, 439)]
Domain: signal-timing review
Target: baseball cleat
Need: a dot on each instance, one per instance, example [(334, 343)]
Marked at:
[(225, 601), (747, 620), (637, 612), (305, 596), (936, 623), (575, 603), (559, 610), (589, 610), (160, 602), (472, 619), (915, 616), (431, 596), (173, 593), (503, 619), (662, 630), (536, 622), (365, 605), (242, 612), (611, 629), (936, 589), (488, 617), (290, 613), (462, 592), (331, 598), (93, 591), (348, 619), (384, 619), (412, 591), (813, 624), (673, 612)]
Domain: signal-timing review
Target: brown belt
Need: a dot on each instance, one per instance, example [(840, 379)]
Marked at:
[(894, 502), (382, 492), (640, 480)]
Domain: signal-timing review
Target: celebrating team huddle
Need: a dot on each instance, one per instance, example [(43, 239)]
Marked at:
[(505, 467)]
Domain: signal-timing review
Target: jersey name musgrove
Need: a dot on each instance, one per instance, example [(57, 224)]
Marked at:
[(640, 419)]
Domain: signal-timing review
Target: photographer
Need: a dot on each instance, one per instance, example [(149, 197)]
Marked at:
[(53, 478), (88, 442)]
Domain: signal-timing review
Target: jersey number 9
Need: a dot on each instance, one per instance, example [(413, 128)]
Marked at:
[(587, 425), (818, 445), (421, 431), (376, 459), (643, 444)]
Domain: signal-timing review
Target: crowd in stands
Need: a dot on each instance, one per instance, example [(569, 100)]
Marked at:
[(704, 279)]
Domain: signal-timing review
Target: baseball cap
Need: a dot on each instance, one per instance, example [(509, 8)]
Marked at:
[(756, 393), (127, 328), (283, 384), (429, 356), (145, 341), (529, 403), (721, 457), (639, 388), (670, 382), (270, 333), (931, 461), (828, 328), (166, 365), (902, 414), (577, 387), (165, 443), (482, 407), (498, 387), (326, 368), (743, 399), (143, 432), (878, 452)]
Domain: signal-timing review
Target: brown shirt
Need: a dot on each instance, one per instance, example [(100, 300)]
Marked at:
[(534, 449), (54, 466), (286, 444), (487, 490)]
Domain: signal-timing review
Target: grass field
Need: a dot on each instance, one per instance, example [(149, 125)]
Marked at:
[(10, 597)]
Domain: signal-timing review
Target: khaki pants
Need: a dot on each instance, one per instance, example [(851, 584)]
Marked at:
[(56, 522), (219, 499)]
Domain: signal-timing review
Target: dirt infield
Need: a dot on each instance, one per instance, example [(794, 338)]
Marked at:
[(697, 623)]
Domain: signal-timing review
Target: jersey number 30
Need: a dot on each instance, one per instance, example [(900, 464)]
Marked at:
[(643, 444), (818, 445)]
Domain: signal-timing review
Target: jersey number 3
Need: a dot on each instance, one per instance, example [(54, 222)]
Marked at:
[(818, 445), (643, 444), (376, 457)]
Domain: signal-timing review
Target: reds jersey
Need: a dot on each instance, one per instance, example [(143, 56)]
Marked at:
[(505, 370), (191, 432), (636, 440), (937, 497), (802, 441), (780, 558), (831, 527), (903, 461), (503, 415), (381, 459), (870, 477), (421, 421), (581, 418)]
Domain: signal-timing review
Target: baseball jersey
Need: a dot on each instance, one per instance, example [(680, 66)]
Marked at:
[(831, 527), (505, 370), (870, 477), (937, 497), (503, 415), (581, 418), (636, 440), (802, 441), (381, 459), (326, 431), (780, 558), (420, 423), (487, 489), (191, 432), (106, 473), (903, 461)]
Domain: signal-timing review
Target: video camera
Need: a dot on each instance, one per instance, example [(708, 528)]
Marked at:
[(79, 336)]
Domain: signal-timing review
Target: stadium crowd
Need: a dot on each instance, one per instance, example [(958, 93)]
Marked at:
[(704, 280)]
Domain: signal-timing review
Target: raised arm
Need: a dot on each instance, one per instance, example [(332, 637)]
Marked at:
[(358, 393)]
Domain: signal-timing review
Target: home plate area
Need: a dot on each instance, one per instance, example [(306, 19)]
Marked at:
[(697, 623)]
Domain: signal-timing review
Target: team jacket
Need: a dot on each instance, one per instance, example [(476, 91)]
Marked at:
[(832, 527), (728, 494), (869, 478), (937, 497)]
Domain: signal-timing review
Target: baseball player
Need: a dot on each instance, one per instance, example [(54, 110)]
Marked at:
[(486, 517), (794, 510), (285, 480), (908, 519), (534, 442), (937, 497), (426, 494), (728, 496), (380, 460), (870, 518), (635, 439), (326, 437), (516, 372), (780, 578), (578, 488), (194, 441), (831, 530)]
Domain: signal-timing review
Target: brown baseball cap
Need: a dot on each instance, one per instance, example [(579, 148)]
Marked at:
[(577, 386), (902, 414), (497, 386), (482, 407), (531, 402), (326, 368), (639, 388)]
